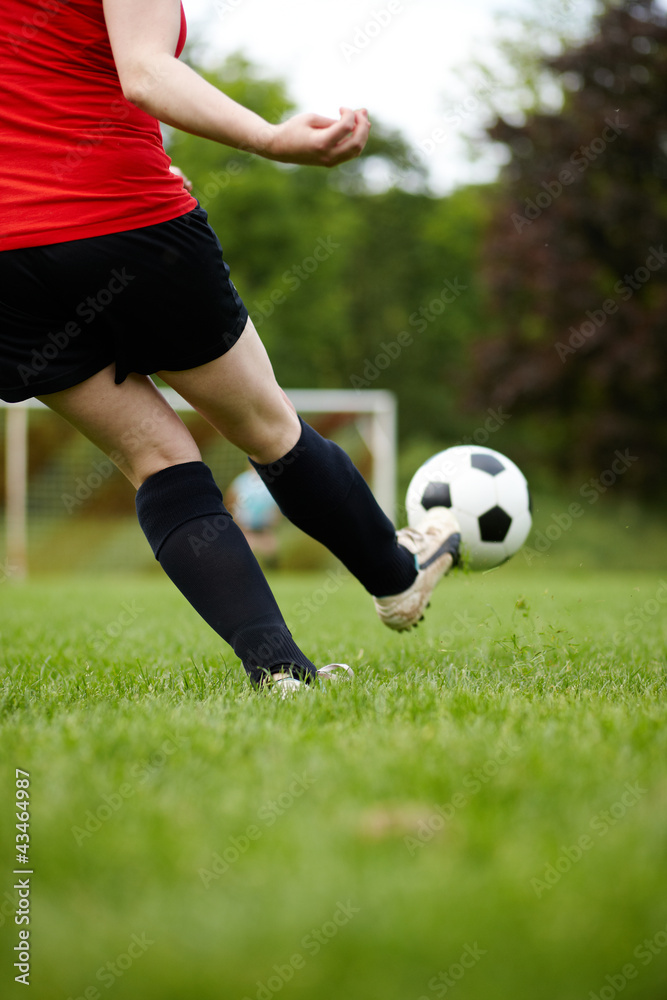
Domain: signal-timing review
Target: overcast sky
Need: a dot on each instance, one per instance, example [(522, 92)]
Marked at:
[(408, 61)]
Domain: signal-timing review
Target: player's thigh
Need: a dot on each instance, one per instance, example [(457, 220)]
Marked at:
[(132, 423), (238, 394)]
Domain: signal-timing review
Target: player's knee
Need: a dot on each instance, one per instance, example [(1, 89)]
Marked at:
[(267, 439), (140, 468), (259, 424)]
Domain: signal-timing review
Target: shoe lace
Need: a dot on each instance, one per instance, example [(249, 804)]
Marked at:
[(416, 539)]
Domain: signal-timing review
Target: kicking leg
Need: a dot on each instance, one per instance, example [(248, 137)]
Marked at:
[(313, 481)]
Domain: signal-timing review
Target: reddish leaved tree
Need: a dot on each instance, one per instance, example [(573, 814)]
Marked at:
[(576, 257)]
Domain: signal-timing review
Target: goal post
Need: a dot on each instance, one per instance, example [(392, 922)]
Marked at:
[(36, 492), (376, 413), (16, 493)]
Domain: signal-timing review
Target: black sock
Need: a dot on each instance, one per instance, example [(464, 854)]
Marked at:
[(206, 555), (319, 489)]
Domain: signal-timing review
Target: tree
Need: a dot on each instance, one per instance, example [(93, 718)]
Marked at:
[(575, 259), (333, 274)]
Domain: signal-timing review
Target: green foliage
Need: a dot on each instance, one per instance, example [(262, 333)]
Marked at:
[(444, 794), (574, 256), (334, 273)]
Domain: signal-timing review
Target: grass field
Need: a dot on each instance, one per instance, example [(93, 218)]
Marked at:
[(482, 814)]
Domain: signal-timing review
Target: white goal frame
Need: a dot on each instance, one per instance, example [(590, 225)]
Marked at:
[(375, 410)]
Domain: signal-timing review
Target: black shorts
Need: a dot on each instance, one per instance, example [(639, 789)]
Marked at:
[(145, 300)]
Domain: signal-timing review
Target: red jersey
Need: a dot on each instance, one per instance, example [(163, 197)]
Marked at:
[(76, 158)]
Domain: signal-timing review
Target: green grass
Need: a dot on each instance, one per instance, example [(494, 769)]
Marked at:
[(408, 820)]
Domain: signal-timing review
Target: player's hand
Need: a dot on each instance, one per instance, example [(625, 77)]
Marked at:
[(313, 140), (187, 183)]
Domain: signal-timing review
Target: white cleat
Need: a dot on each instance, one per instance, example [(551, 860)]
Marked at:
[(284, 685), (335, 672), (435, 546)]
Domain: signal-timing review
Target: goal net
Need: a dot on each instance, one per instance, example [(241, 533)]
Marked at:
[(66, 508)]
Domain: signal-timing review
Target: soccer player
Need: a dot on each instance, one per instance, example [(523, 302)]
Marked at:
[(109, 273), (256, 513)]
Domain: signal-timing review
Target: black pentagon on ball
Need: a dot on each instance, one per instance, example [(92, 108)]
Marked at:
[(437, 495), (494, 525), (487, 463)]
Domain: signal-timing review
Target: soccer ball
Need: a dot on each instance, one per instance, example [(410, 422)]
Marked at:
[(488, 494)]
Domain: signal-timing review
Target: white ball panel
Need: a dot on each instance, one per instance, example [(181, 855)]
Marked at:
[(512, 490), (446, 466), (469, 528), (475, 492)]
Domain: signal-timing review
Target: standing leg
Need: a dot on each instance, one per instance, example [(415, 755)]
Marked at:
[(181, 512)]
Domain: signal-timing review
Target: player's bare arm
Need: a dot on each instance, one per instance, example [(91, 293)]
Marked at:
[(144, 35)]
